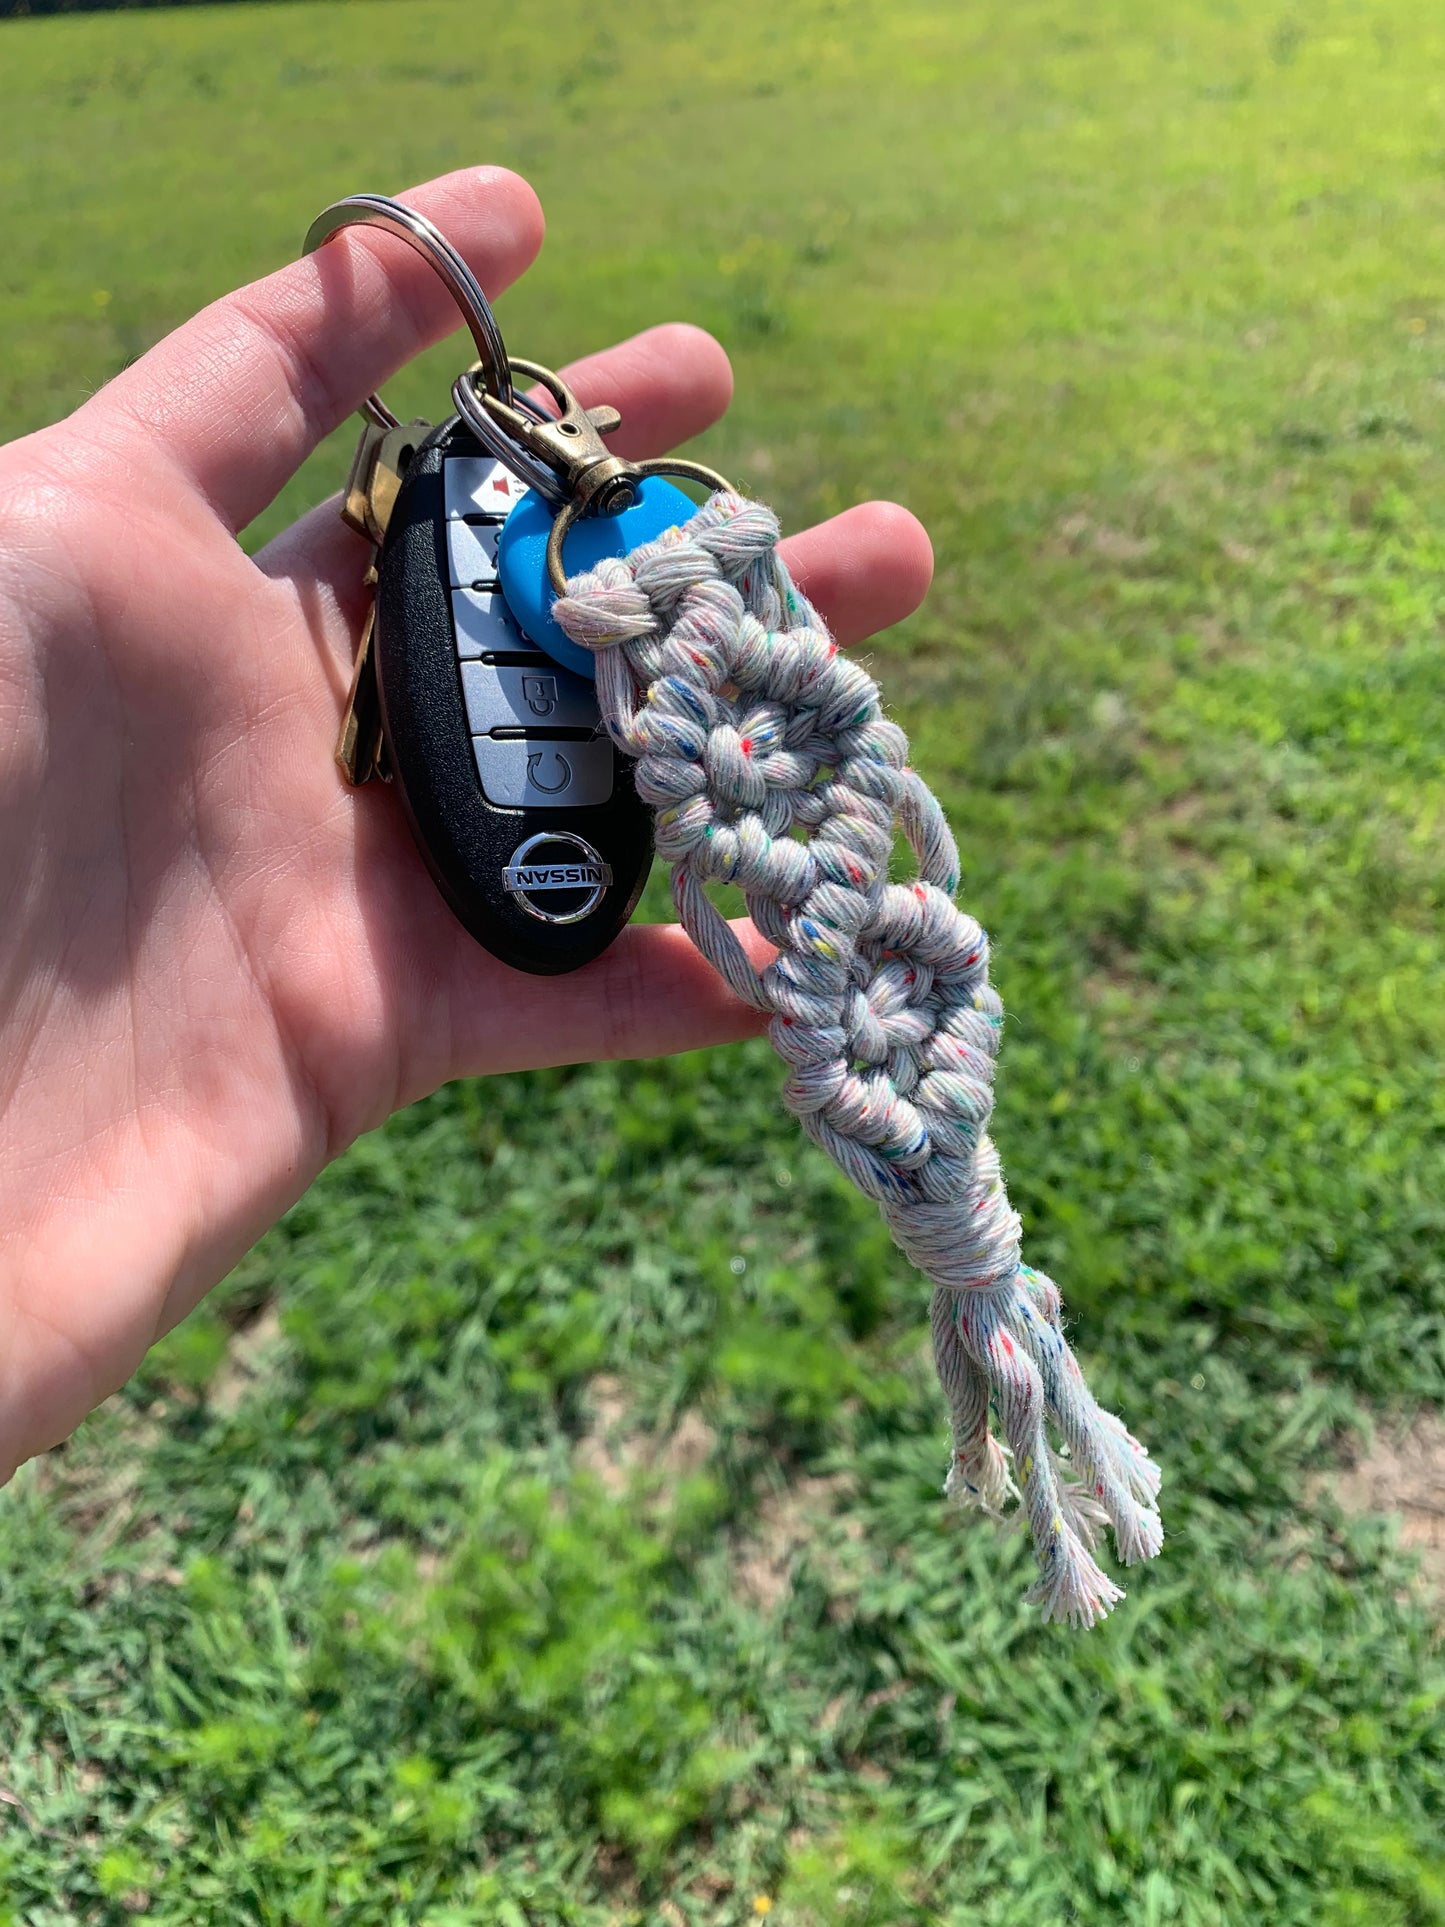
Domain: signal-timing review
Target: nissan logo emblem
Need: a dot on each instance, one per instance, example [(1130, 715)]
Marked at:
[(553, 863)]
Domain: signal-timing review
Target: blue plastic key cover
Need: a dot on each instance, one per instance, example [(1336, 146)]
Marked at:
[(522, 557)]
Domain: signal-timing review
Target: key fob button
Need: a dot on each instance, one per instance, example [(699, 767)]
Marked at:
[(532, 775), (472, 553), (510, 697), (476, 485), (483, 623)]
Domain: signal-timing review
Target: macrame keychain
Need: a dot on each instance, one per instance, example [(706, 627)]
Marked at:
[(763, 759)]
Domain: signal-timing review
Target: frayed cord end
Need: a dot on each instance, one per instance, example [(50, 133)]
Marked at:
[(980, 1480), (1001, 1354), (1077, 1593)]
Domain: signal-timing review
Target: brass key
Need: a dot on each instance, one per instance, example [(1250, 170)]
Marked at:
[(381, 459)]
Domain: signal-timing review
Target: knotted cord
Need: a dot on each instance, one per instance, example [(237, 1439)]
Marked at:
[(770, 764)]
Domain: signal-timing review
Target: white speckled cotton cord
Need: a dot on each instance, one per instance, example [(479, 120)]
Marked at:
[(770, 764)]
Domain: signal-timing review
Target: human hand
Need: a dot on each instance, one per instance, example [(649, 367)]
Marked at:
[(217, 965)]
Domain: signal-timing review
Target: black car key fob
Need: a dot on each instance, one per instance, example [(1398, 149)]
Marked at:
[(523, 809)]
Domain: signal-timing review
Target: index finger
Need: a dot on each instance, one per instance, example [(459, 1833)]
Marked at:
[(241, 394)]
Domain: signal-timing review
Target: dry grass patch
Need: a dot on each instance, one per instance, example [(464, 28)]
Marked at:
[(246, 1359), (786, 1523), (614, 1453), (1403, 1473)]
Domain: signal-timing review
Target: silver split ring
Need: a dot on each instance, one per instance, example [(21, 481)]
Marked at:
[(379, 211)]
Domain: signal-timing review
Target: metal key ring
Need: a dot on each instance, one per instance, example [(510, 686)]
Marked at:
[(379, 211)]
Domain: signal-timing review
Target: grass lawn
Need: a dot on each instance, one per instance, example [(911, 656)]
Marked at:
[(542, 1525)]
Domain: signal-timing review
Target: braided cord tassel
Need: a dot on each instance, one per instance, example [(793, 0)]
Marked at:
[(769, 763)]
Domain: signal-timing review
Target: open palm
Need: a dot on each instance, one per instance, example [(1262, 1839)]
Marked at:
[(217, 965)]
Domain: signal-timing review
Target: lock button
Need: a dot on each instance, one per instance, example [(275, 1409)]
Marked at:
[(472, 554), (483, 623), (540, 698)]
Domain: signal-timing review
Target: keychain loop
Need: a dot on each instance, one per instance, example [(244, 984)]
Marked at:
[(573, 510), (563, 456), (509, 448), (392, 217)]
